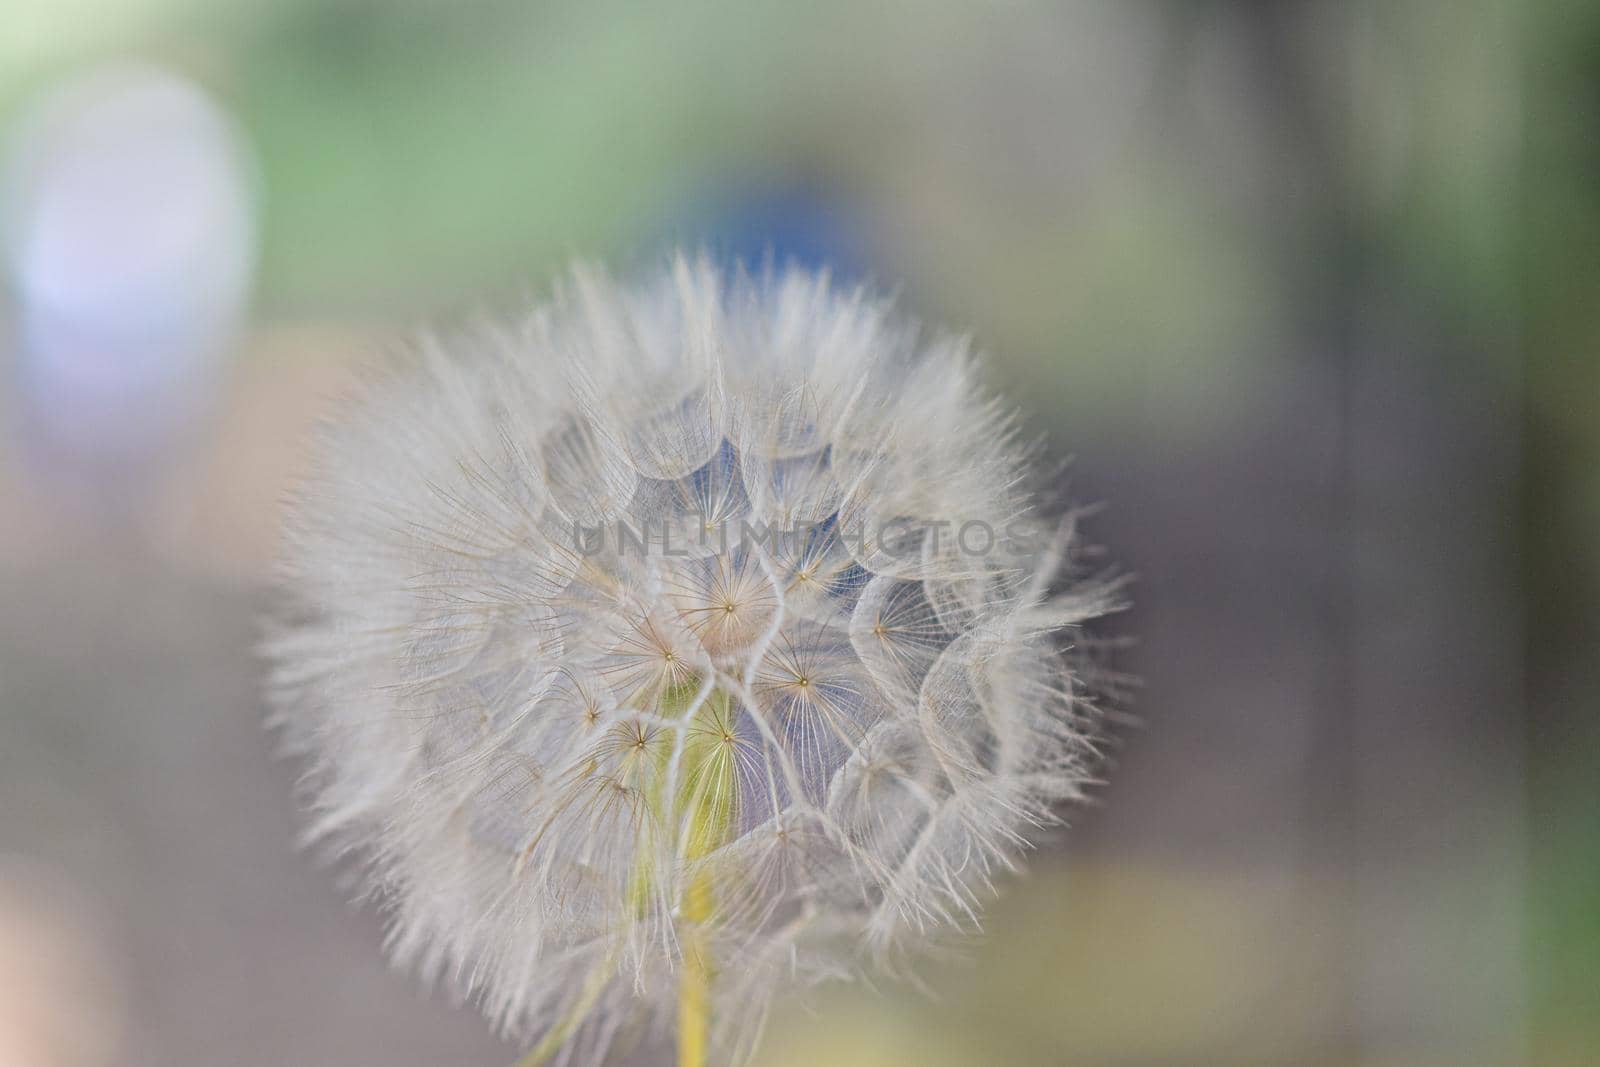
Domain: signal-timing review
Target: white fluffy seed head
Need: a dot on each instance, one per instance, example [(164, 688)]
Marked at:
[(706, 611)]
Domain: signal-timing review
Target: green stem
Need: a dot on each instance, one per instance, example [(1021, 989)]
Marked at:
[(702, 813)]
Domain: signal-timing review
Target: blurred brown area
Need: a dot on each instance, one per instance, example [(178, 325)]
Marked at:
[(1302, 286)]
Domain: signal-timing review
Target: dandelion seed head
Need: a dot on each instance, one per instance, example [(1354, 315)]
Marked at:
[(666, 594)]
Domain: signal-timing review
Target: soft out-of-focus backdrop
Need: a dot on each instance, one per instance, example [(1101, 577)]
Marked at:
[(1309, 289)]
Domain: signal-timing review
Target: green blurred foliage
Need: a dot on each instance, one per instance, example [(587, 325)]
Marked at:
[(1560, 274)]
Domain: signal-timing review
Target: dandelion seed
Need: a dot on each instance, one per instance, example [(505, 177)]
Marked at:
[(619, 790)]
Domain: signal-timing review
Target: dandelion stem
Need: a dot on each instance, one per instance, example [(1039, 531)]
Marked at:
[(694, 989), (706, 803)]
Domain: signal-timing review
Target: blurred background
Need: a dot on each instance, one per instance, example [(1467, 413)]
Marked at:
[(1309, 289)]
